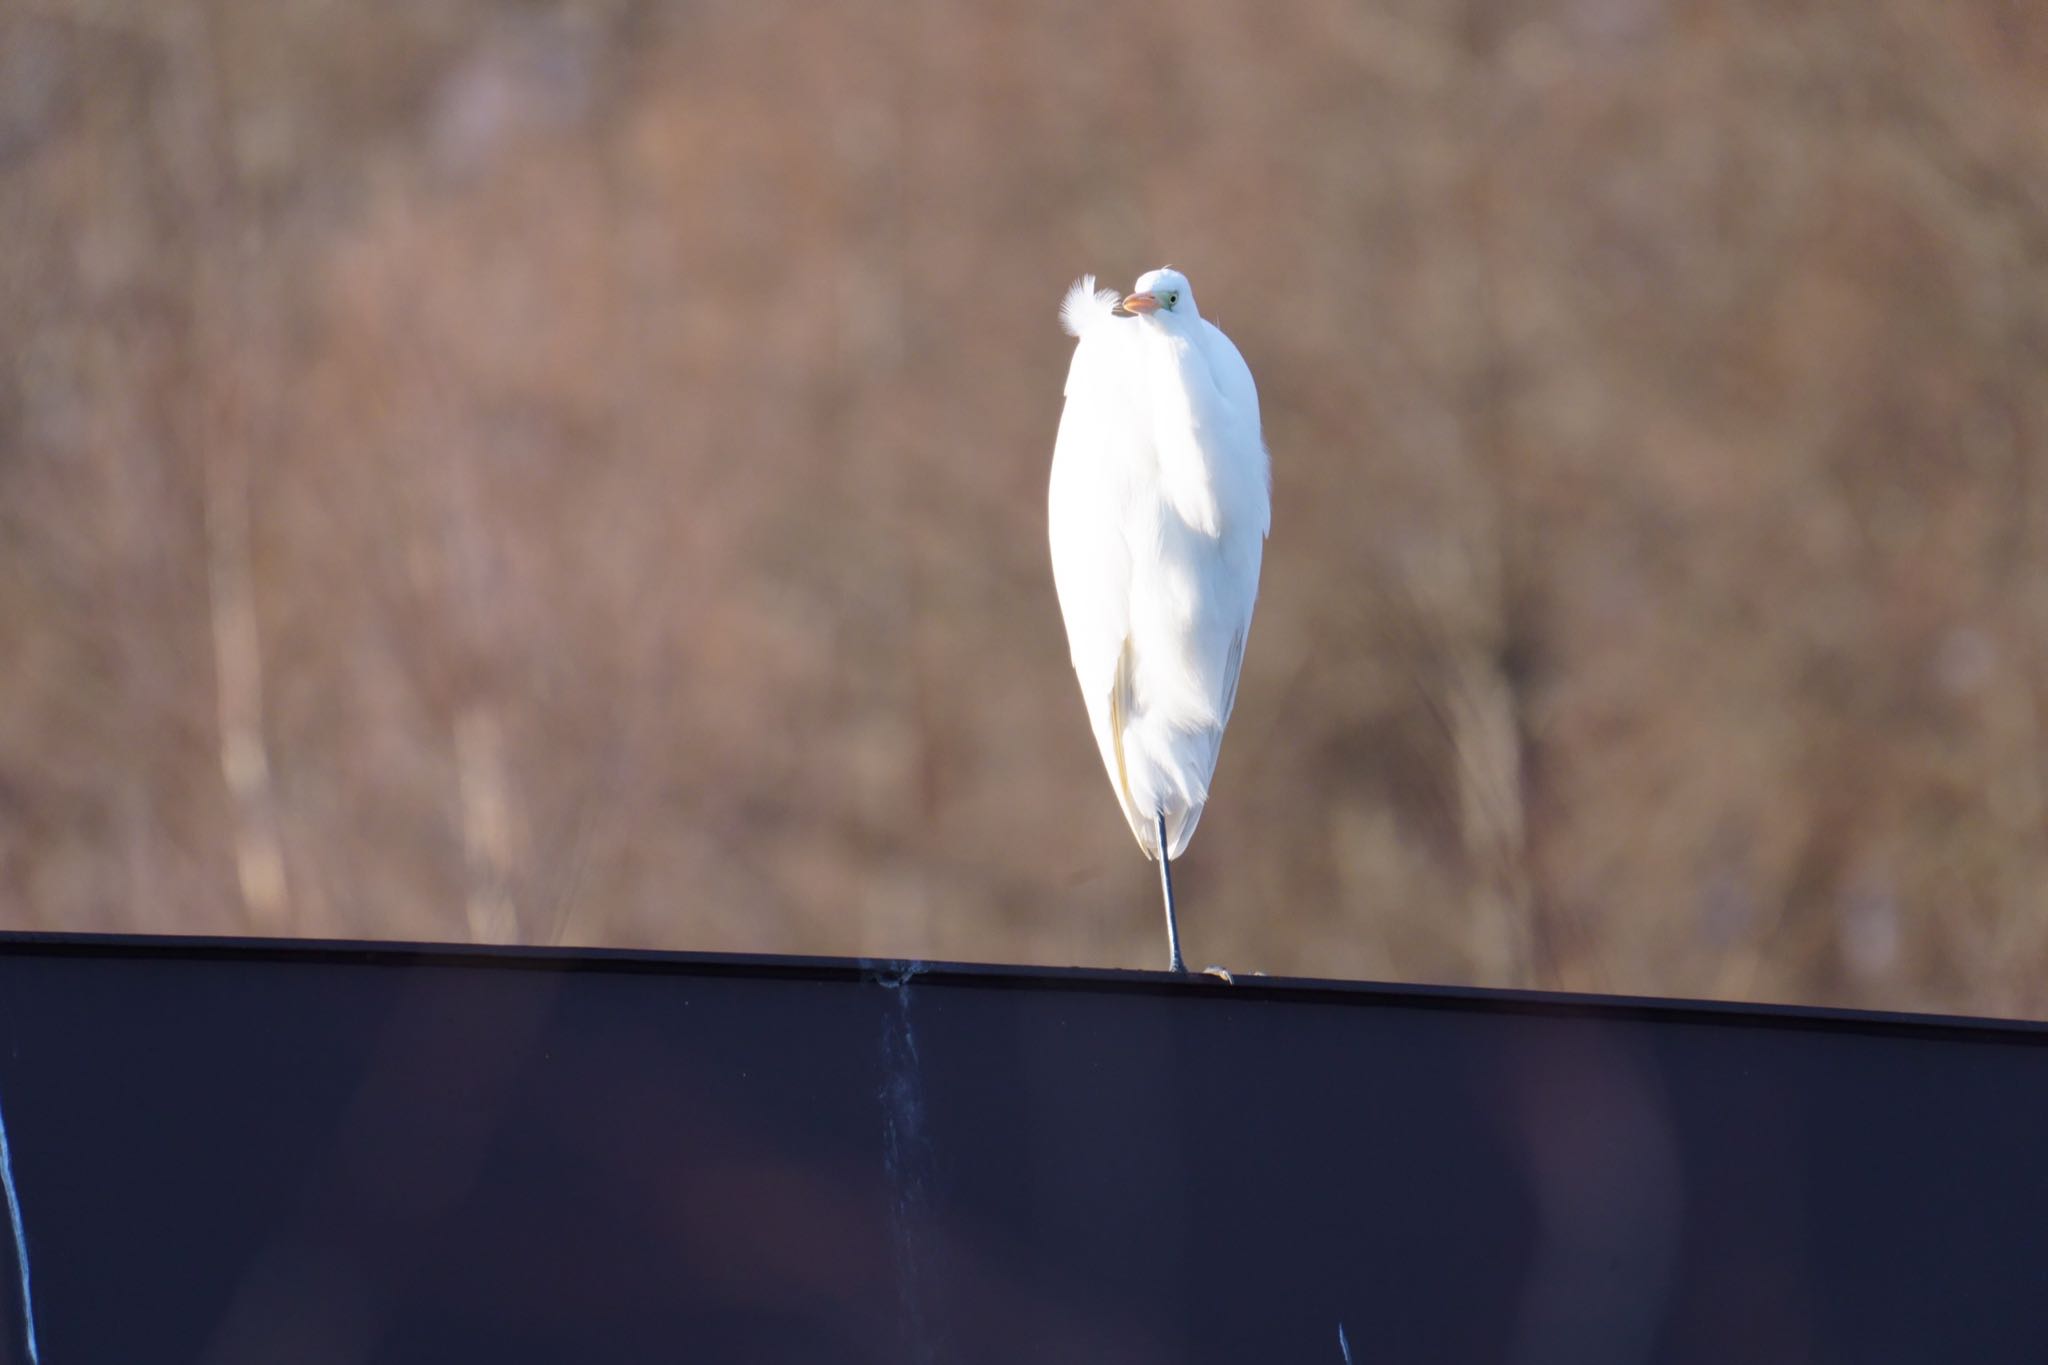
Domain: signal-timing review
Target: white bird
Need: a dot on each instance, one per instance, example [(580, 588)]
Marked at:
[(1160, 502)]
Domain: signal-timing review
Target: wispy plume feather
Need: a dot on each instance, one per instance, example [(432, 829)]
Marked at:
[(1085, 305)]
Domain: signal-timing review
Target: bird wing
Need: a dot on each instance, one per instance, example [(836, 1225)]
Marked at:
[(1233, 379), (1223, 568), (1246, 463), (1224, 400), (1101, 441)]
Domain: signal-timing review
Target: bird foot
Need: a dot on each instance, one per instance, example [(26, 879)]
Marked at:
[(1220, 974)]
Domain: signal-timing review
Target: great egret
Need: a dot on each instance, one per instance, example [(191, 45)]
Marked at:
[(1160, 502)]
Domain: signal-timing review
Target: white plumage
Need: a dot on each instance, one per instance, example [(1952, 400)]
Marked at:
[(1158, 513)]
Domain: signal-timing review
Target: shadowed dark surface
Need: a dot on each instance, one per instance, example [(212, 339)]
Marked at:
[(340, 1154)]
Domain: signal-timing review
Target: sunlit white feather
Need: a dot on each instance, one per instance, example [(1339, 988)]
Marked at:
[(1158, 511)]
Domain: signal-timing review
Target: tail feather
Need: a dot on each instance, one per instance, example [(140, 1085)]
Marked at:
[(1168, 774), (1180, 828), (1085, 305)]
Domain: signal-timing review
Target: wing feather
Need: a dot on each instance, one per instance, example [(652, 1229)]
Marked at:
[(1233, 379), (1099, 444)]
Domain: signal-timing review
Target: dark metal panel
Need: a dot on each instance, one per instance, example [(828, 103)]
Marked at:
[(232, 1152)]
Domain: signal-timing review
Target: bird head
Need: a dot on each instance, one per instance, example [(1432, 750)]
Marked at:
[(1163, 295)]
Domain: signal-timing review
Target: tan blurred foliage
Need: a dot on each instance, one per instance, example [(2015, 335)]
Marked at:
[(575, 474)]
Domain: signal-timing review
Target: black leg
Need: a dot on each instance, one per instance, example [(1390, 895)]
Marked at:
[(1166, 888)]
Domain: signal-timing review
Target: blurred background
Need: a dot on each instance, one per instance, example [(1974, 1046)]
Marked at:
[(574, 474)]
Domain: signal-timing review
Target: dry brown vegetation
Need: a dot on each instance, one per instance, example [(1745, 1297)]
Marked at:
[(575, 474)]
